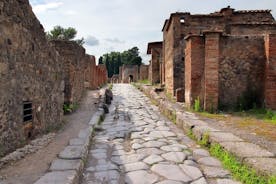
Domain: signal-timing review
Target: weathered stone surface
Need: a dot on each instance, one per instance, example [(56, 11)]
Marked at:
[(171, 172), (215, 172), (107, 175), (227, 181), (191, 171), (199, 153), (152, 159), (77, 142), (177, 157), (134, 166), (153, 144), (248, 149), (200, 181), (59, 177), (102, 167), (149, 151), (62, 165), (209, 161), (136, 176), (264, 165), (223, 137), (72, 152), (126, 159), (169, 182)]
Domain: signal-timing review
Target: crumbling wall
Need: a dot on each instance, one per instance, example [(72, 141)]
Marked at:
[(31, 77), (72, 56), (143, 72)]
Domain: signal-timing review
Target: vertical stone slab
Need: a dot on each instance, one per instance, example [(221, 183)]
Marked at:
[(194, 69), (270, 72), (211, 70)]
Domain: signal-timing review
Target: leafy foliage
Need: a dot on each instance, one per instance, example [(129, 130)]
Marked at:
[(60, 33), (114, 60)]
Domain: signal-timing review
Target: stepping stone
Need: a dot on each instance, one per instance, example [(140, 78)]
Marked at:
[(209, 161), (138, 177), (134, 166), (171, 172), (59, 177), (152, 159), (191, 171), (177, 157)]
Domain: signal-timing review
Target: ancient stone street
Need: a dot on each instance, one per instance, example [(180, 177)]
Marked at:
[(136, 144)]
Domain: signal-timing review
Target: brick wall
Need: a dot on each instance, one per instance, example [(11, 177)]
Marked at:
[(155, 66), (29, 71), (194, 69), (144, 72), (129, 71), (270, 75), (212, 40)]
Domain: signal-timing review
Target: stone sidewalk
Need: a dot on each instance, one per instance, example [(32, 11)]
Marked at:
[(138, 145), (249, 153)]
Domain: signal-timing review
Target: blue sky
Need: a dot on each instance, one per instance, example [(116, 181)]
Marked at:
[(117, 25)]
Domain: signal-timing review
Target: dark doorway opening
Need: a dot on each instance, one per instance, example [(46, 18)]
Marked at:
[(130, 78)]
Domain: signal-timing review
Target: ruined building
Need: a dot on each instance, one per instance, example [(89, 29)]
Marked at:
[(73, 58), (226, 58), (31, 77), (155, 66), (133, 73)]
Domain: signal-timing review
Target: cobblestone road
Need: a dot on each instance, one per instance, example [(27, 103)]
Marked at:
[(138, 145)]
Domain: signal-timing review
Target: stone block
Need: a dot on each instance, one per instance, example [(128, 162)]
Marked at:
[(59, 177)]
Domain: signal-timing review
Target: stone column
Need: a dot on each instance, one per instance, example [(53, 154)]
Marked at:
[(270, 72), (211, 93)]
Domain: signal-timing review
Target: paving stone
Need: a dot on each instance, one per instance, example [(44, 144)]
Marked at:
[(135, 177), (107, 175), (149, 151), (169, 182), (191, 171), (126, 159), (215, 172), (209, 161), (72, 152), (199, 153), (152, 159), (245, 149), (171, 148), (94, 151), (190, 163), (200, 181), (160, 134), (171, 172), (153, 144), (62, 165), (177, 157), (99, 155), (227, 181), (59, 177), (134, 166), (102, 167), (122, 152), (77, 142), (137, 146)]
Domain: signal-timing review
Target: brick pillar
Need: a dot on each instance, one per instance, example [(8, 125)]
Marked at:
[(211, 93), (270, 72), (194, 69)]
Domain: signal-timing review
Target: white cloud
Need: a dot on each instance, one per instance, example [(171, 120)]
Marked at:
[(114, 40), (39, 8), (91, 41)]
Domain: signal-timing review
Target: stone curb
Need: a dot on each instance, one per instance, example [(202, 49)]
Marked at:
[(250, 154), (68, 167)]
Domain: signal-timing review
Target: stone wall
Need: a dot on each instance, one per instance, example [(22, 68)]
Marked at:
[(144, 72), (72, 56), (30, 74), (129, 73), (90, 64), (155, 49)]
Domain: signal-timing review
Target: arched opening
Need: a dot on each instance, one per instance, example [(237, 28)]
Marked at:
[(130, 78)]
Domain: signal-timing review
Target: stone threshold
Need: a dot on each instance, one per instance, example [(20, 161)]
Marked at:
[(248, 153), (69, 166)]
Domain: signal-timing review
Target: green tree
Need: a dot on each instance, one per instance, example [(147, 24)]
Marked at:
[(60, 33), (101, 60)]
